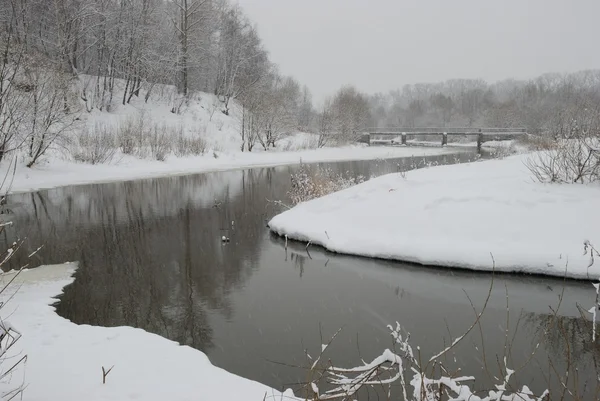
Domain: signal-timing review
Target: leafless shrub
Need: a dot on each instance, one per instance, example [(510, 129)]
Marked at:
[(538, 142), (127, 137), (189, 145), (97, 145), (213, 107), (313, 142), (572, 161), (503, 150), (419, 378), (12, 364), (160, 142), (52, 114), (310, 183), (433, 379), (181, 148), (9, 334), (176, 102), (197, 145), (310, 142), (133, 135), (289, 146), (416, 377)]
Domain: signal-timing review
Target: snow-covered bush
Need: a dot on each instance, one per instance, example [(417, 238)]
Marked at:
[(309, 183), (431, 379), (502, 149), (95, 145), (299, 142), (12, 364), (10, 387), (589, 249), (188, 145), (132, 135), (538, 142), (417, 378), (575, 160), (160, 142), (176, 102), (52, 113), (127, 137)]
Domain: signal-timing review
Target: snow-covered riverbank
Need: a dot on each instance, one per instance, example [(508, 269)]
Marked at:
[(458, 216), (57, 172), (65, 360), (93, 151)]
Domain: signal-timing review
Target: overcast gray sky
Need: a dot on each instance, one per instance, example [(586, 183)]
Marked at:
[(379, 45)]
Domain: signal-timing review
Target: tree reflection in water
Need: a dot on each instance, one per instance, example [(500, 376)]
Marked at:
[(571, 360), (151, 256)]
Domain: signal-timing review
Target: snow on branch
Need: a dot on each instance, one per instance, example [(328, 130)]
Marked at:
[(390, 367)]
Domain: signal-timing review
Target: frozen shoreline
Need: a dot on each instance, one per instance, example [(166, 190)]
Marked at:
[(458, 216)]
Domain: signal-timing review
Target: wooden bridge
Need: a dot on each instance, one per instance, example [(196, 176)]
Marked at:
[(399, 136)]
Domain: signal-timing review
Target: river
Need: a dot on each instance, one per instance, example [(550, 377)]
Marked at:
[(151, 256)]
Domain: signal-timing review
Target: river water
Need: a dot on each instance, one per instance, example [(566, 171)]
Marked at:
[(151, 256)]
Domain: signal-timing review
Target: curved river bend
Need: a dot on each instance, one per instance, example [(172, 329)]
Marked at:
[(151, 256)]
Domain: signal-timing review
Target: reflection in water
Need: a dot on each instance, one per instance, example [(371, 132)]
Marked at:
[(150, 251), (151, 256), (572, 358)]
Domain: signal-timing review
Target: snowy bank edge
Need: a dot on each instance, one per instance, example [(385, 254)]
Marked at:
[(44, 178), (283, 226), (35, 291)]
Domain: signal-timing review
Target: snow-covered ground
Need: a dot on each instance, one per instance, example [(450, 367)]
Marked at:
[(58, 172), (65, 360), (200, 117), (458, 216)]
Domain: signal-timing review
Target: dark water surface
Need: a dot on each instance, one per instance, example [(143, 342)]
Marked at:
[(151, 256)]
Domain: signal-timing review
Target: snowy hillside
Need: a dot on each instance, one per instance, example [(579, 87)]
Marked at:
[(166, 135), (200, 116)]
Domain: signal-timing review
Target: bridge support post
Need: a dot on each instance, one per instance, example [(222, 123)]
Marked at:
[(479, 141), (404, 138), (444, 139)]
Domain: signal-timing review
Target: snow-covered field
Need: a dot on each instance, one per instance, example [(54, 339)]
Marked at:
[(65, 360), (458, 216)]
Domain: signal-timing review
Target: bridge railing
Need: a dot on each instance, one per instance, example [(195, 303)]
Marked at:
[(440, 130), (483, 134)]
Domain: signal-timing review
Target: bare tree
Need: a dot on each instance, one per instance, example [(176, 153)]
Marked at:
[(50, 115), (445, 107), (242, 61), (305, 112), (14, 94), (325, 123), (280, 109), (191, 17), (351, 112)]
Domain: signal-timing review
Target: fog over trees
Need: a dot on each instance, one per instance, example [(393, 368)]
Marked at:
[(539, 104)]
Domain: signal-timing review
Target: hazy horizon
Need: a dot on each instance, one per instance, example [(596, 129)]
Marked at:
[(382, 45)]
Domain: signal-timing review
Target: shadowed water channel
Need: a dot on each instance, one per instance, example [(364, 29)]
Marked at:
[(151, 256)]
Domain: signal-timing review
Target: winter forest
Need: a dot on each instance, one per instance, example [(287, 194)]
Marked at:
[(61, 59)]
